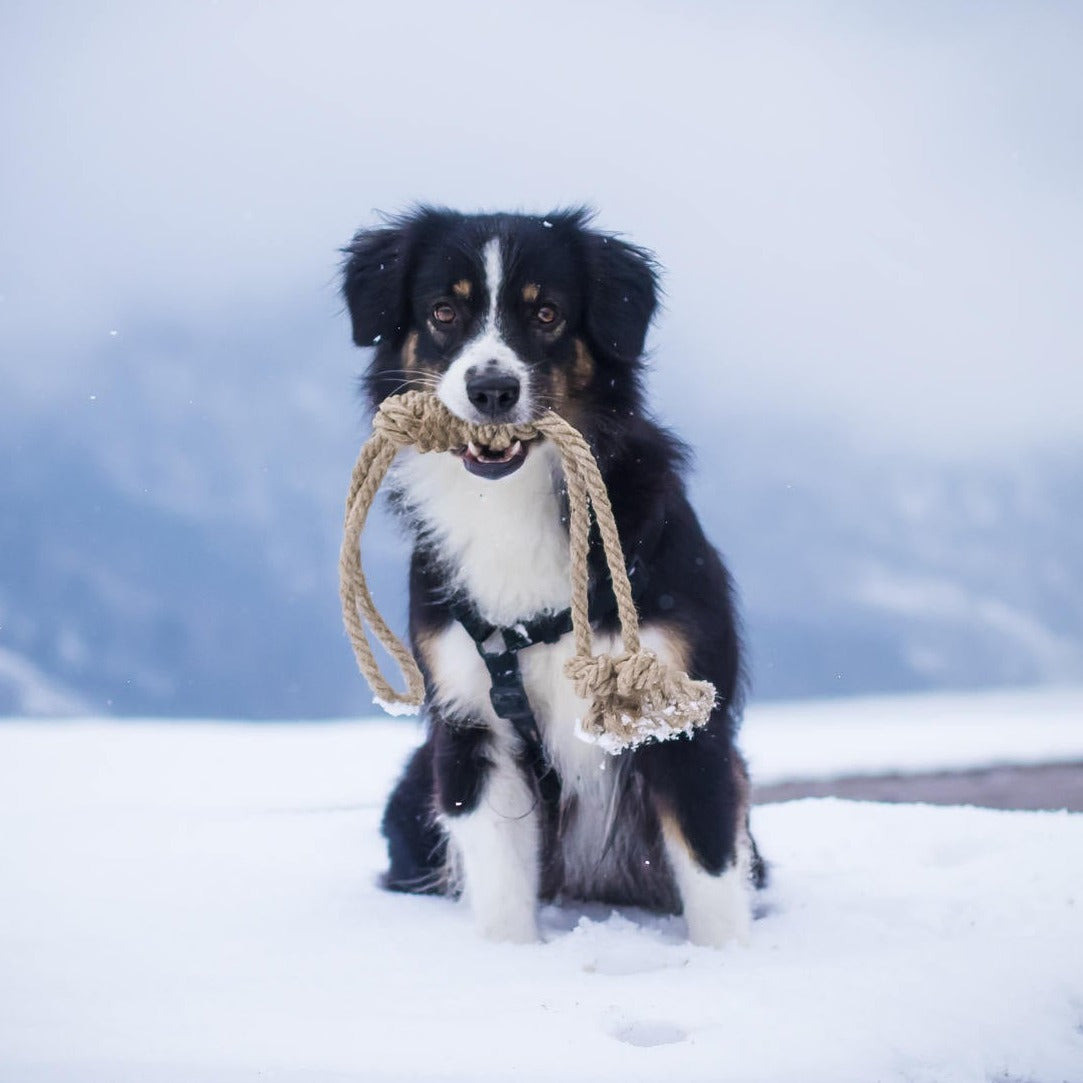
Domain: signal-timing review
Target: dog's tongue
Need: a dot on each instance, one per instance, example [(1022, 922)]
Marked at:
[(485, 462)]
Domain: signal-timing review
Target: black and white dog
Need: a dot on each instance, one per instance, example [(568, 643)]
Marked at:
[(504, 317)]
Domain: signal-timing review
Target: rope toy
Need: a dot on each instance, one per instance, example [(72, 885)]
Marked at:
[(633, 696)]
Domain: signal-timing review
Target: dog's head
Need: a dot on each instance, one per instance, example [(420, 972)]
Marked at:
[(503, 316)]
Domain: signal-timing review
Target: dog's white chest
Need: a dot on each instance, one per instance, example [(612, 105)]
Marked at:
[(501, 542)]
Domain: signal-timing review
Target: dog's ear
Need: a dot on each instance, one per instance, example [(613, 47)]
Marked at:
[(374, 283), (622, 294)]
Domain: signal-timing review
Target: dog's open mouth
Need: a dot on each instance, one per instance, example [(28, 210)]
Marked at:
[(485, 462)]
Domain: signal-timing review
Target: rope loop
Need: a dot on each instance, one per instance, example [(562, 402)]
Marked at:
[(634, 697)]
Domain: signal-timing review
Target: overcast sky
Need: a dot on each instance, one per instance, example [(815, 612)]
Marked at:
[(870, 215)]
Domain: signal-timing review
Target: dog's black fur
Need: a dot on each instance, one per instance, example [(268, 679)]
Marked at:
[(603, 291)]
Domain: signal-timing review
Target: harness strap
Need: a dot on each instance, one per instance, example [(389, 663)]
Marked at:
[(499, 649)]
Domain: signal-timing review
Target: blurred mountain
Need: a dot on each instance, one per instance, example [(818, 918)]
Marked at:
[(170, 525), (169, 529), (861, 573)]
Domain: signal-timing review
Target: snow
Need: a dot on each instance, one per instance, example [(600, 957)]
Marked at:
[(395, 709), (909, 734), (196, 901)]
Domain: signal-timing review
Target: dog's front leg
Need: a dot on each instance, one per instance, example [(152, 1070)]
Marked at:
[(488, 809), (716, 902), (699, 789)]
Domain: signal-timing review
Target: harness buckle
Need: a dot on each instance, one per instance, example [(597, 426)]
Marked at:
[(492, 646), (509, 701)]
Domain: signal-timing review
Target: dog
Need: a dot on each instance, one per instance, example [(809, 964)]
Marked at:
[(506, 316)]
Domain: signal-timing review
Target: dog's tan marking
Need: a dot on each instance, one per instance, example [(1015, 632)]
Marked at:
[(409, 352), (463, 288), (425, 646), (530, 292), (419, 373), (558, 391), (671, 830), (583, 369), (565, 382), (673, 646)]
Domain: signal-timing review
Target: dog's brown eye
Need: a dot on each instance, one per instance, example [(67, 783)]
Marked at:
[(443, 313), (546, 315)]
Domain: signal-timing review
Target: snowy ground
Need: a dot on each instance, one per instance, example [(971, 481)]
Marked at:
[(196, 902)]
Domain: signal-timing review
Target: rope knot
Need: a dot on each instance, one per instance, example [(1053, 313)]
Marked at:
[(636, 697), (420, 420)]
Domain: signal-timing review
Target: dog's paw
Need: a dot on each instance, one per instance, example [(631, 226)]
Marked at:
[(716, 933), (504, 908), (721, 920), (508, 928)]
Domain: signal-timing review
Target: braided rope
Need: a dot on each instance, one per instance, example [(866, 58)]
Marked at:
[(634, 696)]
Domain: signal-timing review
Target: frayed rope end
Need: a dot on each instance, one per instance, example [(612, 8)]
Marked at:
[(636, 698)]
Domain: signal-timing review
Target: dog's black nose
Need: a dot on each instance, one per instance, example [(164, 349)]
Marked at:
[(492, 393)]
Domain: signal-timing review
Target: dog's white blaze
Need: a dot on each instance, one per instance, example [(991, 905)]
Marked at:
[(500, 540), (494, 277), (495, 851), (486, 349), (717, 909)]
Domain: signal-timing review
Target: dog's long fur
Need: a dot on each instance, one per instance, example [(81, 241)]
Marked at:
[(504, 316)]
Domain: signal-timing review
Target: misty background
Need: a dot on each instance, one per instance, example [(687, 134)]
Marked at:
[(870, 222)]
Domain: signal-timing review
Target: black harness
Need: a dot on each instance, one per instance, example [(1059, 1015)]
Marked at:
[(499, 648)]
